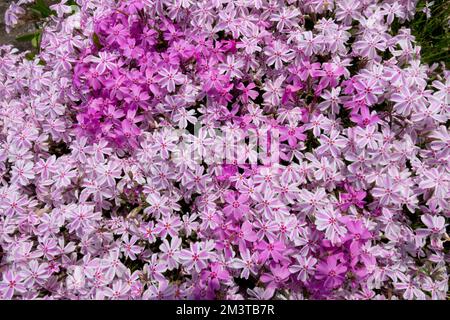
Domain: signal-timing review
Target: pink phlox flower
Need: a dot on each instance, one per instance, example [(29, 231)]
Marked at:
[(352, 197), (168, 225), (331, 271), (155, 268), (195, 257), (247, 91), (291, 90), (129, 247), (410, 286), (276, 277), (10, 284), (305, 267), (275, 250), (215, 276), (245, 234), (369, 90), (357, 233), (237, 205), (329, 220), (365, 118), (435, 225), (170, 252), (247, 263), (292, 134)]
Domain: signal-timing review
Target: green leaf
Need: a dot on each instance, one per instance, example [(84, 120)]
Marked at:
[(432, 34), (26, 37), (30, 56), (36, 12), (39, 39), (42, 8), (34, 42), (96, 41)]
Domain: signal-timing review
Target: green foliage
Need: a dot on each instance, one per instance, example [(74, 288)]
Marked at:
[(96, 41), (432, 34), (39, 12), (27, 37), (34, 37), (42, 9)]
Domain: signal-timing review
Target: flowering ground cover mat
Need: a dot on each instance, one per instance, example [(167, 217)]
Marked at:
[(225, 149)]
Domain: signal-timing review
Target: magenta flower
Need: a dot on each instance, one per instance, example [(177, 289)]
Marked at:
[(223, 150), (289, 92), (352, 197), (274, 250), (246, 234), (137, 97), (247, 91), (215, 276), (357, 233), (292, 135), (117, 35), (331, 272), (365, 118), (277, 276), (227, 170), (237, 206)]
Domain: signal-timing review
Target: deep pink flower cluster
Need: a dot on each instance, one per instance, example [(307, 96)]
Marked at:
[(251, 149), (141, 70)]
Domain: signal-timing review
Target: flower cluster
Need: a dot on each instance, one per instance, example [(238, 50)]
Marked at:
[(101, 199)]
